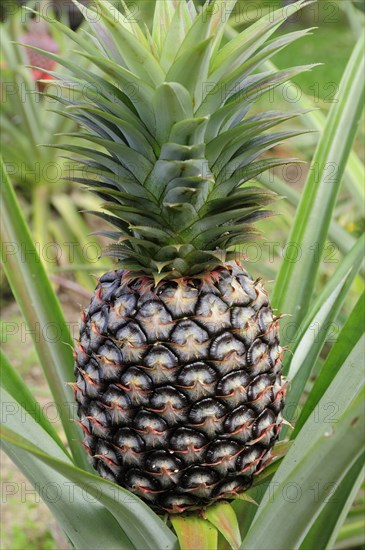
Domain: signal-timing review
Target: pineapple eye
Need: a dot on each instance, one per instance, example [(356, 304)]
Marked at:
[(127, 439), (199, 481), (197, 379), (184, 439), (208, 415), (231, 487), (161, 462), (222, 455), (233, 383), (176, 503), (239, 422), (249, 458), (142, 484), (169, 395)]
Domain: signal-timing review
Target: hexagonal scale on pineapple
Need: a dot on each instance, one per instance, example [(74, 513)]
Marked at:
[(100, 420), (227, 353), (258, 358), (197, 380), (237, 290), (265, 429), (248, 285), (177, 503), (271, 336), (118, 404), (152, 428), (96, 303), (110, 361), (98, 328), (213, 313), (169, 403), (79, 389), (105, 472), (238, 423), (232, 388), (142, 484), (261, 299), (269, 326), (189, 341), (137, 384), (130, 445), (107, 455), (88, 380), (265, 319), (165, 467), (80, 352), (244, 320), (276, 355), (109, 288), (222, 455), (199, 481), (231, 487), (131, 342), (89, 441), (110, 277), (207, 415), (179, 298), (279, 391), (249, 459), (260, 392), (161, 364), (123, 307), (155, 320), (187, 443)]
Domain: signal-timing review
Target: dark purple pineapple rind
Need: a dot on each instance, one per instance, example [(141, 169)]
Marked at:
[(179, 387)]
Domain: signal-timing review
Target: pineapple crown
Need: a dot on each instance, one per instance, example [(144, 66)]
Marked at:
[(170, 142)]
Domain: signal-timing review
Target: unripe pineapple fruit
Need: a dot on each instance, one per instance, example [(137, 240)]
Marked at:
[(178, 365), (179, 385)]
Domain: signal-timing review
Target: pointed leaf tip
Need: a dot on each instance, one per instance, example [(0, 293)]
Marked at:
[(224, 518)]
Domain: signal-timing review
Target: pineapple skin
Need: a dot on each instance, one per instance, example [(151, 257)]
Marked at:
[(179, 385)]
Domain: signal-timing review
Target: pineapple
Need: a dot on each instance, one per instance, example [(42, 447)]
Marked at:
[(178, 364)]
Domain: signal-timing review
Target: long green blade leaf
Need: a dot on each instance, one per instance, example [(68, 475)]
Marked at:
[(80, 516), (336, 288), (352, 535), (223, 517), (40, 309), (13, 383), (355, 170), (195, 533), (316, 326), (325, 530), (337, 234), (296, 280), (143, 527), (349, 336)]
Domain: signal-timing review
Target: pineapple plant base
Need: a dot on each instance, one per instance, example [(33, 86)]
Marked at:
[(178, 366), (179, 385)]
